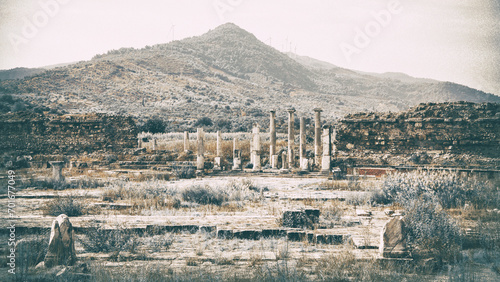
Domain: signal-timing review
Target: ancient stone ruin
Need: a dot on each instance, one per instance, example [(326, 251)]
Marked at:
[(31, 133), (61, 249), (450, 127), (393, 239), (57, 167)]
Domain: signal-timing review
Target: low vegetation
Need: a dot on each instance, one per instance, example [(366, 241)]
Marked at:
[(70, 206)]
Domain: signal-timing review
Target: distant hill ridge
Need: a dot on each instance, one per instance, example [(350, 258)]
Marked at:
[(226, 73)]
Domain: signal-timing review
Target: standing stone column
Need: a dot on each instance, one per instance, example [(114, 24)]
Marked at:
[(284, 161), (272, 148), (304, 162), (200, 159), (291, 137), (256, 148), (327, 148), (186, 141), (236, 155), (217, 160), (317, 135), (57, 170)]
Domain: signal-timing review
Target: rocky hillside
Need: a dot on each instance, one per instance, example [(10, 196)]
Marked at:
[(227, 75), (18, 73)]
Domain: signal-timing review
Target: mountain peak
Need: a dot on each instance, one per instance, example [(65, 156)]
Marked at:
[(230, 31)]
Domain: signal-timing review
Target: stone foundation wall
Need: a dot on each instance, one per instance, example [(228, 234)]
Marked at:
[(457, 127), (31, 133)]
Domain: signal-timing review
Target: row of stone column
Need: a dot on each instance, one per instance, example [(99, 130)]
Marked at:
[(322, 142), (326, 138)]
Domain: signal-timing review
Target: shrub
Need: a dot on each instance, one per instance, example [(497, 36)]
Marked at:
[(431, 232), (204, 121), (31, 250), (148, 194), (449, 188), (223, 125), (62, 185), (185, 172), (159, 243), (7, 98), (69, 206), (98, 239), (154, 125), (203, 195)]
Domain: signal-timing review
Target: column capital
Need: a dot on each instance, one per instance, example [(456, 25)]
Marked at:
[(318, 110)]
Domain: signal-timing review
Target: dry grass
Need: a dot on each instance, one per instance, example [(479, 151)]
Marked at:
[(70, 206)]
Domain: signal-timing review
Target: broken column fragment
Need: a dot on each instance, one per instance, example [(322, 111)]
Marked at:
[(186, 141), (217, 160), (304, 162), (236, 155), (393, 239), (200, 159), (57, 167), (284, 161), (61, 250)]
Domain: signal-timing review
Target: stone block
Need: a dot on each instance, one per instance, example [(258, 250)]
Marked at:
[(61, 250), (208, 229), (274, 233), (247, 234), (296, 236), (300, 218), (225, 234), (274, 161), (217, 163), (329, 239), (393, 239)]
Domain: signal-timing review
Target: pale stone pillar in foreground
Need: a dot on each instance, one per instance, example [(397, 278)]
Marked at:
[(393, 239), (61, 250)]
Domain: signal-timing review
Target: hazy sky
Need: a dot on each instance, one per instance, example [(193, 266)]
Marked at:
[(451, 40)]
